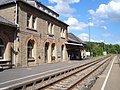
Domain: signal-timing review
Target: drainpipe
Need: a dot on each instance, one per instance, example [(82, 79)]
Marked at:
[(15, 33)]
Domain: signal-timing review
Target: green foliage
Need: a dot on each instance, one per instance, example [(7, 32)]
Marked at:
[(97, 49)]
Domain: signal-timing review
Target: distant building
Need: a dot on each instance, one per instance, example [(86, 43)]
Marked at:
[(31, 34), (76, 47), (104, 53)]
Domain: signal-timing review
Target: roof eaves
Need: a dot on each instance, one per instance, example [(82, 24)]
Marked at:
[(43, 12), (47, 7), (3, 21), (14, 26), (5, 2)]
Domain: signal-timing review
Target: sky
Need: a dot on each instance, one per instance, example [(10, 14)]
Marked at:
[(100, 17)]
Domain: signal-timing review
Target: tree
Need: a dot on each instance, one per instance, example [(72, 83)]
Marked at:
[(97, 49)]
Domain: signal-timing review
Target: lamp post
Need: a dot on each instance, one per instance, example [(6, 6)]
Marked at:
[(89, 21)]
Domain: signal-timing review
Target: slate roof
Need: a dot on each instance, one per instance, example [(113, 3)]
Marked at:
[(6, 22), (75, 39), (2, 2)]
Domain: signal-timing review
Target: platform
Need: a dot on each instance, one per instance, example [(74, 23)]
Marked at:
[(18, 75), (110, 79)]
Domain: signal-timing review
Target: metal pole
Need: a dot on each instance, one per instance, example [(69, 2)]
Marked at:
[(89, 37)]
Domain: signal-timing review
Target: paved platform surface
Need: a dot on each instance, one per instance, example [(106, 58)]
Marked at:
[(12, 76), (110, 79)]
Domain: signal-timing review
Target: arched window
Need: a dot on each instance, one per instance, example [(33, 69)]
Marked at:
[(1, 49), (30, 47), (61, 32), (53, 51), (62, 48), (51, 28), (46, 51)]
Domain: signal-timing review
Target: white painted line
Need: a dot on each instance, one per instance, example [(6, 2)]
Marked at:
[(36, 74), (105, 81)]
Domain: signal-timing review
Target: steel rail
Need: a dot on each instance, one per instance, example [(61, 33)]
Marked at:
[(86, 76)]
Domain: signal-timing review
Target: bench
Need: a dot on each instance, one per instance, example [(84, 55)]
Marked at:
[(5, 65)]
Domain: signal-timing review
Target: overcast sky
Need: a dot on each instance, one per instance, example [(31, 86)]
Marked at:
[(103, 16)]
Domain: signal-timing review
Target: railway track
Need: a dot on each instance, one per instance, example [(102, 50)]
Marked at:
[(82, 79), (78, 77)]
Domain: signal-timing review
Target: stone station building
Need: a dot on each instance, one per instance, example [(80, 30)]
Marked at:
[(32, 34), (39, 37)]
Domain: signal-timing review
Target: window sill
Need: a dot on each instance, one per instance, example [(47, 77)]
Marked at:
[(31, 59), (51, 35), (62, 37), (3, 60), (32, 29)]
